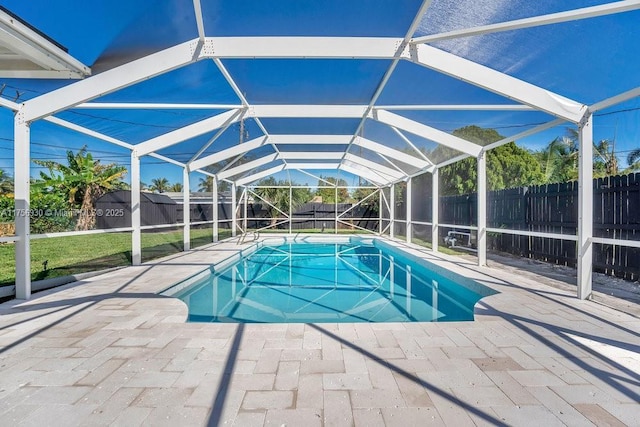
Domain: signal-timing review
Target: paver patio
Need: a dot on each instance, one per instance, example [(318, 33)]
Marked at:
[(109, 350)]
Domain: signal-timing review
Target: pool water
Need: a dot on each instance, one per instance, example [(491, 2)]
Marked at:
[(328, 282)]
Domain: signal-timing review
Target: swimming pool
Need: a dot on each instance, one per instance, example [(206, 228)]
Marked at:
[(353, 280)]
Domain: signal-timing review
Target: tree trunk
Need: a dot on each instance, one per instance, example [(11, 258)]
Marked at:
[(87, 218)]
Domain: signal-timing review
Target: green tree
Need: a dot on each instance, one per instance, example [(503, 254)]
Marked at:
[(329, 194), (159, 185), (633, 158), (507, 165), (176, 188), (605, 162), (205, 184), (277, 193), (559, 160), (82, 180), (6, 183)]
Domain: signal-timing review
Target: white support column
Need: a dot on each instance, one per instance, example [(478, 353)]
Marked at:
[(392, 210), (234, 217), (186, 200), (245, 209), (290, 209), (336, 209), (585, 208), (409, 207), (136, 236), (380, 211), (22, 163), (435, 208), (482, 209), (214, 212)]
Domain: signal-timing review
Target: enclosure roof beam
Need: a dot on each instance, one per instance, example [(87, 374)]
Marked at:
[(427, 132), (192, 106), (385, 171), (109, 81), (306, 111), (153, 106), (187, 132), (552, 18), (309, 139), (313, 166), (197, 9), (259, 175), (390, 152), (311, 155), (609, 102), (358, 170), (246, 167), (228, 153), (301, 47), (497, 82), (454, 107)]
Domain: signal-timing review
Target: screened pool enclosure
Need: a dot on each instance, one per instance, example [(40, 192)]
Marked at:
[(351, 94)]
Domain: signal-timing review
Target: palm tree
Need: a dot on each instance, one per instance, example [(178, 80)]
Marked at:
[(205, 184), (82, 180), (606, 162), (6, 182), (274, 192), (176, 188), (634, 161), (559, 160), (159, 185)]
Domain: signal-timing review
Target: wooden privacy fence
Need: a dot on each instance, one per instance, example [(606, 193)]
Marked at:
[(553, 208)]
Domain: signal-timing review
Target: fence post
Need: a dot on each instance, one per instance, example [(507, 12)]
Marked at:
[(136, 236), (585, 207), (22, 161), (482, 209), (435, 206), (186, 208)]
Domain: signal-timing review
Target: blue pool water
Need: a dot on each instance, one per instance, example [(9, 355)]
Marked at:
[(328, 282)]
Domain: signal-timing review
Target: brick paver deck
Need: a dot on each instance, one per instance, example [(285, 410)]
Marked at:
[(110, 351)]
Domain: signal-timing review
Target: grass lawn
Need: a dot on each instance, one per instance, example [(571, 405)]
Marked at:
[(79, 254)]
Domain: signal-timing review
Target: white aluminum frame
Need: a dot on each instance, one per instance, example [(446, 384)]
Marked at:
[(528, 96)]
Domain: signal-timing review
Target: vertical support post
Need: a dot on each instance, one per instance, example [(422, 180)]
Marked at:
[(409, 210), (186, 200), (336, 209), (392, 210), (482, 209), (234, 217), (435, 209), (245, 209), (585, 208), (22, 163), (380, 211), (290, 209), (214, 212), (136, 234)]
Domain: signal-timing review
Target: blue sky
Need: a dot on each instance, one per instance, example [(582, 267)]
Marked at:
[(587, 61)]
